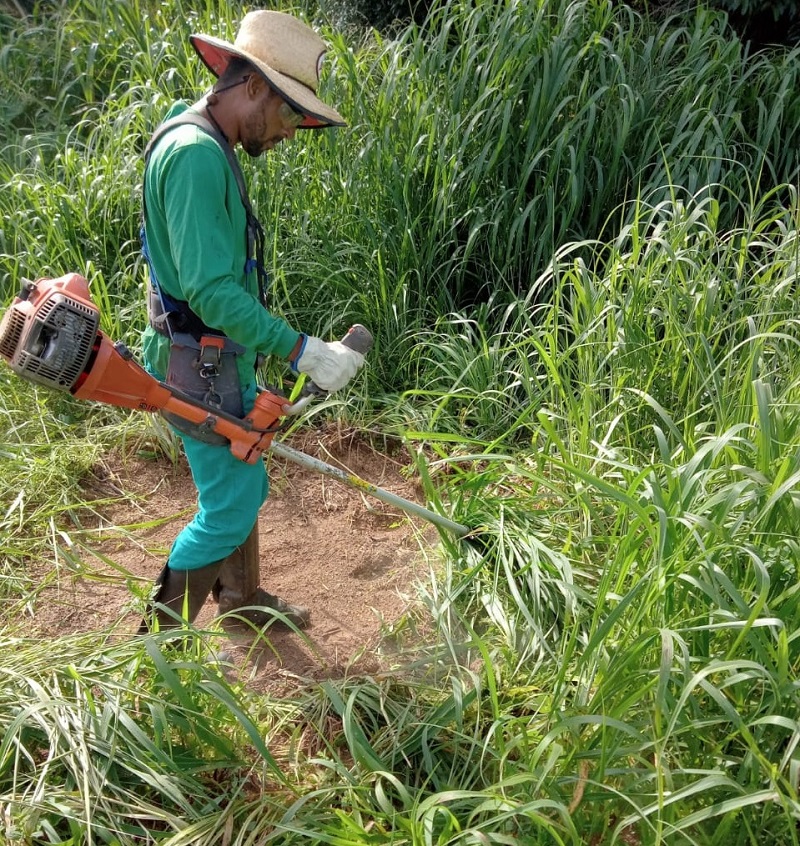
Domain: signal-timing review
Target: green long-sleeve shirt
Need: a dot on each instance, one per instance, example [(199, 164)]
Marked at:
[(196, 237)]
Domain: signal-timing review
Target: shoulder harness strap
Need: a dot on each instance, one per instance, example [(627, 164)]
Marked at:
[(255, 231)]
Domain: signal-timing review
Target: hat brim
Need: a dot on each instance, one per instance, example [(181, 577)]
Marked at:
[(216, 54)]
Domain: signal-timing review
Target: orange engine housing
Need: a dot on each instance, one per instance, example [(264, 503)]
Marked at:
[(50, 335)]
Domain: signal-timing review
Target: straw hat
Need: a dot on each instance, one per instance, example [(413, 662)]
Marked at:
[(287, 52)]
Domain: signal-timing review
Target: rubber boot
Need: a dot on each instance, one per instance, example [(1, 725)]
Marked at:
[(184, 591), (237, 588)]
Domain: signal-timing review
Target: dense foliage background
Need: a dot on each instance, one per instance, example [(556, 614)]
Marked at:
[(574, 232)]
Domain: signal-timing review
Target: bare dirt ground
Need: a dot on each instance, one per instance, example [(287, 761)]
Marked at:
[(354, 561)]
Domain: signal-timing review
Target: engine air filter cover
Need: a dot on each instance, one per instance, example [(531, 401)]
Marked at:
[(47, 336)]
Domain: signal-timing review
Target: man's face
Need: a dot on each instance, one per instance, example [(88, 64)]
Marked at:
[(268, 121)]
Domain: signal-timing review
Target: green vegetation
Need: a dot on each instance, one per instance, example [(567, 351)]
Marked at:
[(575, 236)]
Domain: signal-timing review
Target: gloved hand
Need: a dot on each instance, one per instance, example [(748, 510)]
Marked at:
[(329, 364)]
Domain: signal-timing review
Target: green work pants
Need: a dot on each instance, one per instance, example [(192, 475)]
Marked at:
[(230, 493)]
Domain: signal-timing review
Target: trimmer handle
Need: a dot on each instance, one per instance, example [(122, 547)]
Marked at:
[(358, 338)]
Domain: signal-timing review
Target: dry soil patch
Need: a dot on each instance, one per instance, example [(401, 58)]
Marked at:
[(354, 561)]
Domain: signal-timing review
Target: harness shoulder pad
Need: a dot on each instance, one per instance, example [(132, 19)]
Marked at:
[(190, 118)]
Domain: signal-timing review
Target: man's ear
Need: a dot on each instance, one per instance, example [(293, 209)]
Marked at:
[(255, 86)]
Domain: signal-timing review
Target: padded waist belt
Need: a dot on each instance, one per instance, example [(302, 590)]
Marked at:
[(156, 316), (179, 319)]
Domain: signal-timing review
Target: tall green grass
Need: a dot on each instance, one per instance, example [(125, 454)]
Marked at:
[(478, 147), (111, 743), (484, 143), (575, 236)]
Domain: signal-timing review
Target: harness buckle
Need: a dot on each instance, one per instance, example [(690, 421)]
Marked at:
[(210, 357)]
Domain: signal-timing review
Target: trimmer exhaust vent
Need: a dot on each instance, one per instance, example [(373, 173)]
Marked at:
[(13, 324)]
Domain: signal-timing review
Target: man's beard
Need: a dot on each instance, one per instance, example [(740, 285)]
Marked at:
[(253, 142), (253, 148)]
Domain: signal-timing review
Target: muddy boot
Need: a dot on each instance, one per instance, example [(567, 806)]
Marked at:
[(184, 591), (237, 588)]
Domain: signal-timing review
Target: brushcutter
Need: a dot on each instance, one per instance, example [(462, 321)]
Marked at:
[(50, 335)]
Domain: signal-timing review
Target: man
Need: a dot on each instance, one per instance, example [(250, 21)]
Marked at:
[(199, 238)]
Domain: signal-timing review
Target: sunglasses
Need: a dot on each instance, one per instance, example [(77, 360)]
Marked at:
[(290, 116)]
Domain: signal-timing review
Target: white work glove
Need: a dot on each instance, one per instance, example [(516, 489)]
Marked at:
[(329, 364)]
